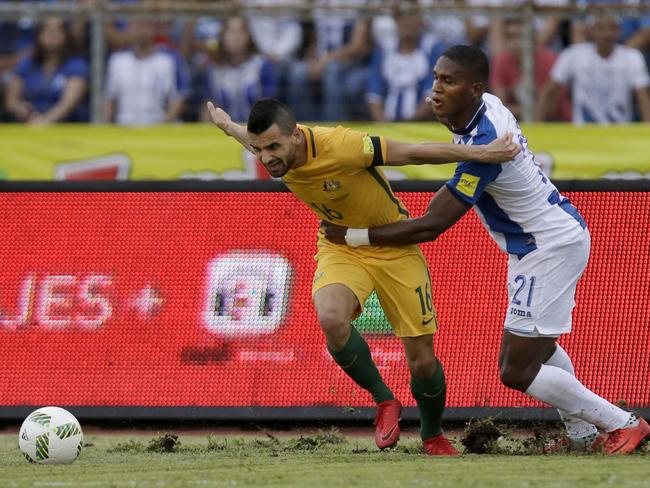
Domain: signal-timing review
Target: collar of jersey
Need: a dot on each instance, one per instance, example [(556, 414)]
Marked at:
[(473, 122), (311, 141)]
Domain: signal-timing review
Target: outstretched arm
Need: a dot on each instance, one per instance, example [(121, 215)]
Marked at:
[(443, 212), (221, 119), (498, 151)]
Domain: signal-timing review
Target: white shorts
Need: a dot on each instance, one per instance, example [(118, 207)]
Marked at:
[(542, 286)]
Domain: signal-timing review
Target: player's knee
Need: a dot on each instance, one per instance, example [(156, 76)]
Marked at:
[(333, 323), (423, 366), (513, 377)]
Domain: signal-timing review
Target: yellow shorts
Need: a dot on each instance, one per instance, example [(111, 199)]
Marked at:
[(401, 280)]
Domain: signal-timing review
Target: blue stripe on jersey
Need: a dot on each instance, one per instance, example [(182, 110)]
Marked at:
[(518, 242), (467, 189), (565, 204), (476, 119), (474, 177)]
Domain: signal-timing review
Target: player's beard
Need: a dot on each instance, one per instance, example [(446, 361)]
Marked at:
[(281, 167), (288, 162)]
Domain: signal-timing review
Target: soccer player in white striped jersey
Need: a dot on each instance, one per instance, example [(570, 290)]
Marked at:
[(547, 242)]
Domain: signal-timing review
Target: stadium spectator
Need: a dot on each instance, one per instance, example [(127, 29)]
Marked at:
[(355, 192), (172, 35), (49, 85), (629, 26), (447, 29), (640, 37), (401, 75), (603, 75), (145, 84), (506, 74), (199, 49), (335, 70), (492, 30), (547, 242), (116, 31), (15, 40), (239, 75), (443, 28), (279, 36)]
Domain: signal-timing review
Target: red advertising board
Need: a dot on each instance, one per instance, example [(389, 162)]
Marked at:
[(204, 299)]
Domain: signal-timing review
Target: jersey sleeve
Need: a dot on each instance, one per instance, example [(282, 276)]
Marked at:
[(470, 179), (359, 149)]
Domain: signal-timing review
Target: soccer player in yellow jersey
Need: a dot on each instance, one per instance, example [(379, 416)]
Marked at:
[(334, 171)]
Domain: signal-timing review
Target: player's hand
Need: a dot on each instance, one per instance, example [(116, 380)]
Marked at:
[(38, 119), (334, 232), (502, 149), (220, 117)]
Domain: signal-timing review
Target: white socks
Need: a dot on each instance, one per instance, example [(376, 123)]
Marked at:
[(580, 432), (563, 391)]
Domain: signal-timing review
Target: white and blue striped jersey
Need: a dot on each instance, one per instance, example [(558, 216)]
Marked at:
[(518, 205)]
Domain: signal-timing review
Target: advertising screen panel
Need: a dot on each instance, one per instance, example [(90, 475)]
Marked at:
[(203, 299)]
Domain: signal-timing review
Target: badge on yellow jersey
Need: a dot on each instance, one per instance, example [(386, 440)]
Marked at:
[(368, 147), (331, 185), (467, 184)]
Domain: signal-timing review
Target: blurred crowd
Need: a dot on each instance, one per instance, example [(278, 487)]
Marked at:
[(330, 65)]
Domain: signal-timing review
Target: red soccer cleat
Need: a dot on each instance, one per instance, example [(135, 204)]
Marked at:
[(387, 422), (564, 445), (627, 439), (439, 446)]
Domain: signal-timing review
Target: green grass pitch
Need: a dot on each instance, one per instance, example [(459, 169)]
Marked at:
[(310, 461)]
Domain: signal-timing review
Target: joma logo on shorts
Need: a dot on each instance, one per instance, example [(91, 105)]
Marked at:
[(520, 313)]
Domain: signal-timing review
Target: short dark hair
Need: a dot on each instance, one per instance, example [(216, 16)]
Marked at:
[(269, 111), (472, 60)]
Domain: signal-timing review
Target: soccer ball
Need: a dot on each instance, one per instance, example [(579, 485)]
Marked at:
[(50, 435)]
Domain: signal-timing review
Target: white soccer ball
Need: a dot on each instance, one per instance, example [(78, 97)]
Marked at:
[(50, 435)]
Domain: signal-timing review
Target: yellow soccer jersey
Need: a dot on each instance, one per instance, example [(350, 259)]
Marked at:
[(341, 181)]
